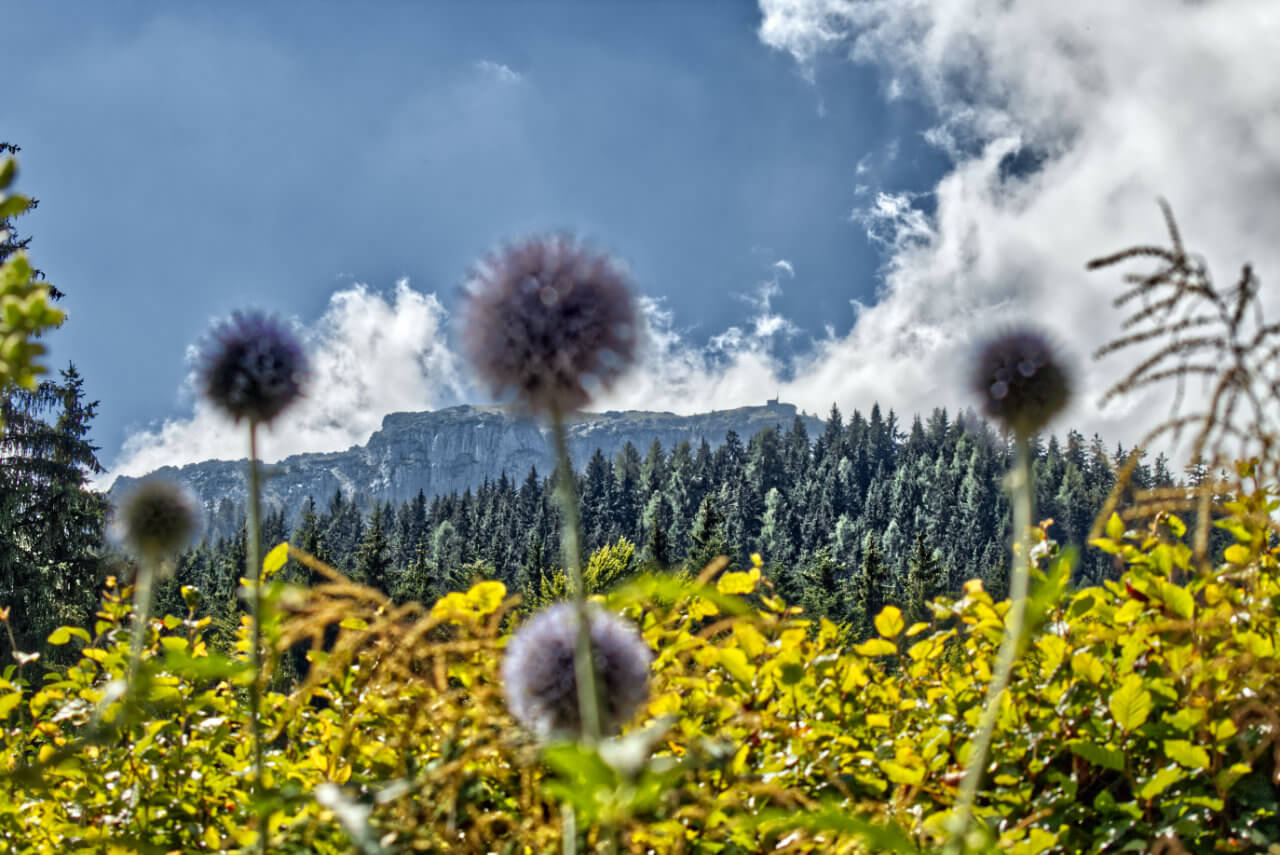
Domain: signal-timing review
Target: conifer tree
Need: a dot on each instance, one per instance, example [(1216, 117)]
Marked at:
[(51, 521), (707, 541), (372, 565)]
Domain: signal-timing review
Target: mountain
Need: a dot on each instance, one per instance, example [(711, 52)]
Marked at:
[(452, 449)]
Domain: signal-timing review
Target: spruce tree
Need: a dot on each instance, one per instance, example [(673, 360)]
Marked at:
[(707, 541), (51, 521), (372, 565), (869, 589)]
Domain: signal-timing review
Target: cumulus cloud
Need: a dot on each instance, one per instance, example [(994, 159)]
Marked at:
[(371, 354), (1115, 104)]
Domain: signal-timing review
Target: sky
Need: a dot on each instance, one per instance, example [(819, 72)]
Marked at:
[(827, 200)]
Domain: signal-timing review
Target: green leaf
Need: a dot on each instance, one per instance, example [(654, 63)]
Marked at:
[(1131, 703), (1179, 599), (1098, 755), (1160, 782), (879, 838), (1181, 751), (1115, 526)]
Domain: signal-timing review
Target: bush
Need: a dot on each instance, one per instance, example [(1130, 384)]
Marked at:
[(1142, 710)]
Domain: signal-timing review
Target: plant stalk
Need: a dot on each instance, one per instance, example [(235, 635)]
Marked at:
[(583, 660), (1020, 488), (141, 618), (253, 552)]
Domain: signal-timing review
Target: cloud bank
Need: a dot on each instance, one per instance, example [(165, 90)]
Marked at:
[(1064, 123)]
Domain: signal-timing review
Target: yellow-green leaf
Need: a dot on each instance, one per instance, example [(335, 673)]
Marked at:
[(749, 639), (1182, 752), (1131, 703), (875, 647), (485, 597), (901, 774), (1098, 755), (1115, 527), (1238, 554), (1160, 782), (889, 622), (63, 634), (8, 702), (734, 661), (275, 559), (739, 583), (1178, 599)]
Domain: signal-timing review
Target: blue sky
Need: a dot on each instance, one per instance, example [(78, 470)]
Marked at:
[(758, 167)]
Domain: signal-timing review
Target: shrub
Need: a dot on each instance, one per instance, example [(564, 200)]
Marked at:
[(1142, 710)]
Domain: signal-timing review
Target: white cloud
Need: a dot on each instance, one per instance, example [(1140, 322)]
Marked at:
[(370, 355), (1183, 113), (892, 221), (499, 71)]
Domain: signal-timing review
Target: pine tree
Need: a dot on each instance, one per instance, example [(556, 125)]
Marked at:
[(869, 588), (51, 521), (372, 565), (824, 590), (706, 541), (926, 579)]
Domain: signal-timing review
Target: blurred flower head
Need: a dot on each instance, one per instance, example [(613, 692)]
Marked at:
[(1020, 380), (548, 320), (157, 519), (252, 366), (538, 674)]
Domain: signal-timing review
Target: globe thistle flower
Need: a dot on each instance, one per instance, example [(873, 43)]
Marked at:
[(548, 320), (252, 366), (157, 519), (538, 674), (1020, 381)]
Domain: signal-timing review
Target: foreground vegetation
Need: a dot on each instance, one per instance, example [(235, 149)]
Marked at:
[(1144, 710)]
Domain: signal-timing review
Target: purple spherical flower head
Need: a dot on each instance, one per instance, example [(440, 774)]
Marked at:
[(539, 679), (252, 366), (1020, 381), (546, 320), (157, 518)]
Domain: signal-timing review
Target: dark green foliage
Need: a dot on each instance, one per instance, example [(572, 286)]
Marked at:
[(372, 565), (51, 522)]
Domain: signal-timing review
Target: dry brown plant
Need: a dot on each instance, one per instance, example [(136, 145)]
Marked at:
[(1196, 330)]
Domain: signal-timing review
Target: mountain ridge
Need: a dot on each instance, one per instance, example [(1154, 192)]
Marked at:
[(455, 448)]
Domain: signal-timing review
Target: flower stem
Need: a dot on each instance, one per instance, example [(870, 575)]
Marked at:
[(583, 659), (568, 830), (1020, 487), (253, 551), (141, 617)]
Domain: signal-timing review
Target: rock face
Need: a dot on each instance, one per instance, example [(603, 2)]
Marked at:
[(459, 447)]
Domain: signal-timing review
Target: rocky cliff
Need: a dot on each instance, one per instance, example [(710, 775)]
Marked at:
[(459, 447)]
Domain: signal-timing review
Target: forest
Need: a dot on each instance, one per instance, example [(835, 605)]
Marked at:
[(864, 515)]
